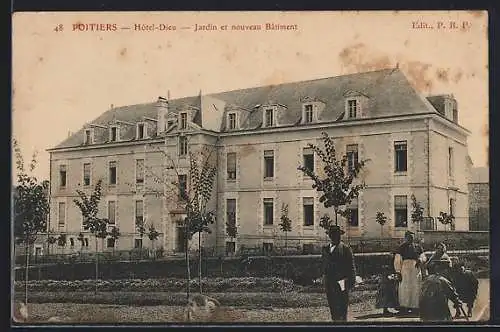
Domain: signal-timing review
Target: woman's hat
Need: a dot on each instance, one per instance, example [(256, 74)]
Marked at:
[(335, 229)]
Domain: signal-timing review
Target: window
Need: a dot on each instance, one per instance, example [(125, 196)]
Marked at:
[(400, 155), (141, 131), (269, 117), (230, 248), (182, 185), (352, 108), (112, 172), (86, 174), (308, 113), (232, 120), (268, 164), (183, 122), (231, 166), (308, 155), (353, 214), (113, 134), (352, 156), (307, 248), (62, 176), (138, 243), (112, 212), (139, 212), (139, 171), (267, 247), (401, 211), (110, 243), (62, 214), (268, 211), (183, 145), (308, 206), (88, 136), (86, 242), (231, 211), (71, 242), (452, 207), (450, 162)]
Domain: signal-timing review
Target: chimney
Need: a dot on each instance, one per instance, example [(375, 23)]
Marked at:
[(162, 111)]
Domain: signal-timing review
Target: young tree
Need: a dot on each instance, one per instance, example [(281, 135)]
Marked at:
[(285, 223), (140, 227), (81, 239), (417, 213), (153, 235), (446, 219), (31, 207), (231, 229), (381, 220), (114, 234), (62, 240), (336, 185), (51, 240), (89, 207)]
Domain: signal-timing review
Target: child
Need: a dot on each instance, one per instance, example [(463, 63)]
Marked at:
[(387, 296)]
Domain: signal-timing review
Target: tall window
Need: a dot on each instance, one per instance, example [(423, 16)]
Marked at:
[(308, 207), (269, 117), (183, 147), (308, 155), (400, 156), (112, 212), (138, 243), (268, 164), (114, 134), (230, 248), (182, 185), (401, 211), (352, 108), (450, 162), (267, 247), (268, 211), (232, 120), (141, 132), (110, 242), (308, 113), (62, 214), (62, 176), (231, 166), (353, 216), (183, 124), (139, 212), (352, 156), (231, 211), (112, 172), (139, 171), (88, 136), (86, 174)]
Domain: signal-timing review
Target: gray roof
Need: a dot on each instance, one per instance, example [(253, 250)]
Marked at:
[(480, 175), (388, 93)]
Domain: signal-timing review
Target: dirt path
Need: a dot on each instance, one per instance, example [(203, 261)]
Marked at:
[(362, 312)]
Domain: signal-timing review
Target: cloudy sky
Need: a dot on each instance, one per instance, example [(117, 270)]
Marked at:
[(63, 79)]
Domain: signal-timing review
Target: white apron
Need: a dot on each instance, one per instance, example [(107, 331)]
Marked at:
[(409, 287)]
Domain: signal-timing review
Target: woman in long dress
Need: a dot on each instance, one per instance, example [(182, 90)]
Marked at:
[(408, 263)]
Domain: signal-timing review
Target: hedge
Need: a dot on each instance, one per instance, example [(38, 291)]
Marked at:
[(301, 269)]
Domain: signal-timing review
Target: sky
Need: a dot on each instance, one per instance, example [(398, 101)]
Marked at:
[(62, 78)]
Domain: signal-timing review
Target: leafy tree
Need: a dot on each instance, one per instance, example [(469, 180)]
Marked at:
[(381, 219), (417, 213), (140, 227), (336, 185), (89, 207), (31, 206), (446, 219), (153, 235), (114, 234), (285, 223)]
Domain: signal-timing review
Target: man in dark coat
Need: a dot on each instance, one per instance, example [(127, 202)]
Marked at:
[(436, 291), (339, 273)]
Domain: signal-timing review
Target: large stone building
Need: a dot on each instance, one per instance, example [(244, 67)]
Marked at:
[(413, 145), (479, 199)]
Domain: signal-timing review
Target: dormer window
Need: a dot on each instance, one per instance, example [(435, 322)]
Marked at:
[(308, 113), (269, 117), (141, 131), (88, 138), (114, 134), (183, 121), (231, 120), (352, 108)]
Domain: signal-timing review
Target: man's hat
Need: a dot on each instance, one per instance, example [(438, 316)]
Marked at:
[(334, 229)]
